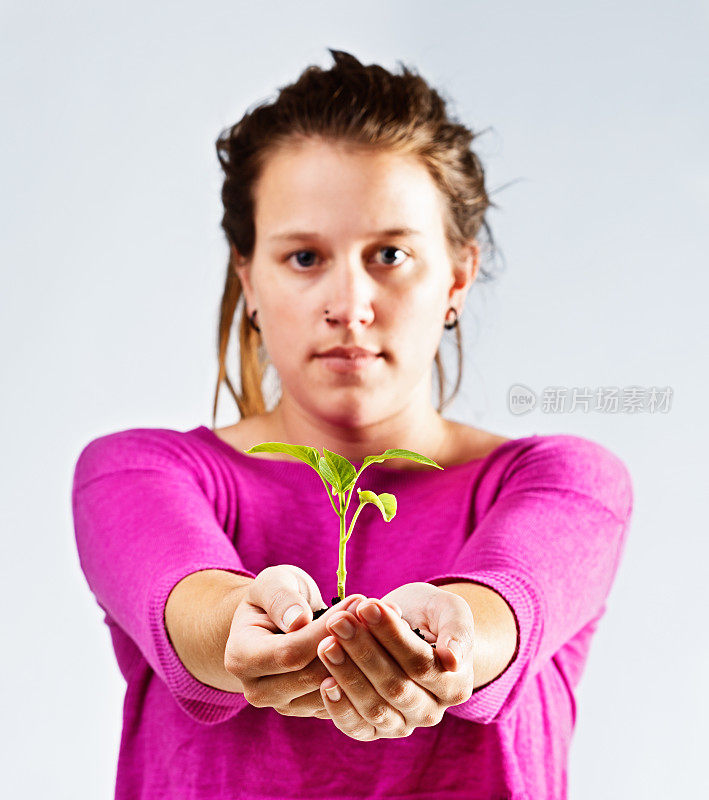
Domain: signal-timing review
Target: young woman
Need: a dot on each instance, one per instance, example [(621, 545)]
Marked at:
[(354, 210)]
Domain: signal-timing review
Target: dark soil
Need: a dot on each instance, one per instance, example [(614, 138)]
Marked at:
[(336, 600)]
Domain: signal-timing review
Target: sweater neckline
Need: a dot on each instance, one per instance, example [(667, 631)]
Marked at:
[(298, 472)]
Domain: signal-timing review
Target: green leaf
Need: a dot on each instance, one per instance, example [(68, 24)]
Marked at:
[(337, 470), (329, 474), (307, 454), (398, 453), (385, 502)]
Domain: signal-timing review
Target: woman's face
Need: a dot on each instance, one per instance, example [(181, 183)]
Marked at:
[(320, 210)]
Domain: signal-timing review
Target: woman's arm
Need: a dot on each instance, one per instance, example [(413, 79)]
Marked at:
[(548, 536), (198, 616), (495, 631), (145, 519)]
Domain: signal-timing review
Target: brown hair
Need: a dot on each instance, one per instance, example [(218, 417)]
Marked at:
[(365, 106)]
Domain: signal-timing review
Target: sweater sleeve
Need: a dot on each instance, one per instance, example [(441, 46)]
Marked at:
[(143, 522), (549, 543)]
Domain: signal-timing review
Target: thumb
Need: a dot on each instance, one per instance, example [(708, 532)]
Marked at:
[(295, 616), (451, 653), (455, 635), (287, 593)]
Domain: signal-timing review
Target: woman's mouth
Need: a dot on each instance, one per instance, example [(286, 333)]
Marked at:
[(353, 364)]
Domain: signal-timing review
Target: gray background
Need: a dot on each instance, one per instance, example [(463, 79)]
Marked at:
[(112, 268)]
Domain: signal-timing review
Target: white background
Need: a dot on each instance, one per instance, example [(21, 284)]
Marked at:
[(112, 268)]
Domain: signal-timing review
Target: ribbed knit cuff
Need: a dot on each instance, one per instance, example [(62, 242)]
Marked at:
[(496, 700), (203, 703)]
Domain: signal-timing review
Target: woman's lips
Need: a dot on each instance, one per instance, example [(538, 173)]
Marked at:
[(339, 364)]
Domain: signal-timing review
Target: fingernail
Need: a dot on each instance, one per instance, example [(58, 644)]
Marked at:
[(342, 628), (454, 647), (334, 654), (333, 693), (370, 613), (352, 605), (291, 615)]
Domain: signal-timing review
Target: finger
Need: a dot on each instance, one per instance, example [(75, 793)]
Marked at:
[(265, 654), (285, 594), (344, 715), (288, 594), (449, 654), (375, 684), (361, 711), (395, 606), (413, 655), (456, 627), (295, 685), (307, 705)]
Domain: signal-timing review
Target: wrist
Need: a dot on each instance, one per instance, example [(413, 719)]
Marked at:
[(198, 617), (494, 629)]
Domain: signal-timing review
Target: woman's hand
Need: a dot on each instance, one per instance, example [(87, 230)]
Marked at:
[(390, 680), (281, 671)]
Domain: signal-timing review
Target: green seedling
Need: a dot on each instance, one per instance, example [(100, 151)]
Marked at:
[(339, 477)]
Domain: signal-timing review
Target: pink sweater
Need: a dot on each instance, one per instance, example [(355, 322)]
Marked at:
[(542, 520)]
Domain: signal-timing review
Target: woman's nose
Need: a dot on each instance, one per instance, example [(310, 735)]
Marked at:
[(349, 296)]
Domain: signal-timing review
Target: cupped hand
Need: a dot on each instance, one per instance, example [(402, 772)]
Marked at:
[(276, 670), (390, 680)]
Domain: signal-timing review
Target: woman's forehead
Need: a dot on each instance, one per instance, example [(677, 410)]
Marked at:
[(306, 194)]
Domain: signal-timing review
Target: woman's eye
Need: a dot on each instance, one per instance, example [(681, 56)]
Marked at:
[(298, 253), (310, 253), (390, 249)]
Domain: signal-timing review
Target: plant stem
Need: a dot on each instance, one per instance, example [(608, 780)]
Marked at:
[(342, 513), (352, 524), (341, 571)]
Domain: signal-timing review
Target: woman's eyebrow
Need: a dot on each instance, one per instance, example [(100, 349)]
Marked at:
[(311, 235)]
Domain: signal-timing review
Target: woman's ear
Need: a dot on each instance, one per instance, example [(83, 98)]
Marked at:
[(241, 267), (471, 258), (465, 271)]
